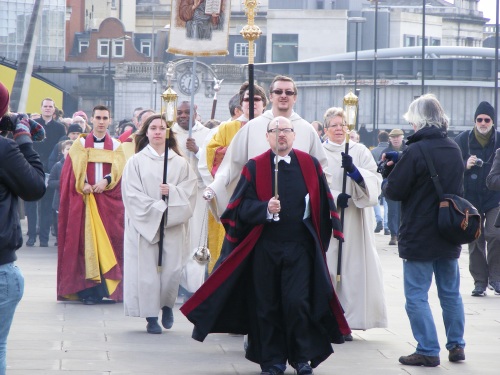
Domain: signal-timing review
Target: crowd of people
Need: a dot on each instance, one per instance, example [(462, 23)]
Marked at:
[(275, 198)]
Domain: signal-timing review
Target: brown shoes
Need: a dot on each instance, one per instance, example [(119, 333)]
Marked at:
[(416, 359), (456, 354)]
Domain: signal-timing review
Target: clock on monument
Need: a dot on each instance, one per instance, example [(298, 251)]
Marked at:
[(185, 81)]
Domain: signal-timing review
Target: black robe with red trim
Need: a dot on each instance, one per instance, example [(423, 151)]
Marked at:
[(222, 303)]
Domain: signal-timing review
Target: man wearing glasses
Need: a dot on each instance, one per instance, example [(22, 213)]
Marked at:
[(248, 143), (265, 286), (478, 148), (91, 217)]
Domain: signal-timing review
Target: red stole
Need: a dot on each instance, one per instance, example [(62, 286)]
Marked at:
[(106, 167)]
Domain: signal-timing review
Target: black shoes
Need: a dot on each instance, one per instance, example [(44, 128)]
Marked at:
[(44, 244), (348, 337), (456, 354), (304, 369), (30, 242), (387, 232), (272, 371), (379, 227), (394, 240), (153, 326), (416, 359), (495, 285), (167, 317), (479, 291)]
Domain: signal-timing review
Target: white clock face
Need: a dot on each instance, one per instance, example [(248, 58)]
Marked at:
[(185, 81)]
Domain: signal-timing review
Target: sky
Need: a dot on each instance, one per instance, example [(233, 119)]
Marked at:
[(488, 7)]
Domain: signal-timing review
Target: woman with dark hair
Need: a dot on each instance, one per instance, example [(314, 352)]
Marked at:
[(147, 290)]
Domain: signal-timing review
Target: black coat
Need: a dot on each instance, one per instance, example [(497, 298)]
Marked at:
[(21, 175), (410, 183), (475, 188)]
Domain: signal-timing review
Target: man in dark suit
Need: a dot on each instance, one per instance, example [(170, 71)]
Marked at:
[(274, 284)]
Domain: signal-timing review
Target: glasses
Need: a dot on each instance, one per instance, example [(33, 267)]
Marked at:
[(335, 126), (105, 118), (481, 119), (277, 130), (255, 99), (280, 92)]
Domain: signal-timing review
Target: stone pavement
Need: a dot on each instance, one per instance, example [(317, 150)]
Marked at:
[(52, 338)]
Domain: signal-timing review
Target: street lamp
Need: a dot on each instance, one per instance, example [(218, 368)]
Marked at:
[(424, 3), (375, 128), (356, 21)]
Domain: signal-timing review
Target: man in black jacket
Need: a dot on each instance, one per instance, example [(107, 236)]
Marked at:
[(478, 148), (43, 209), (21, 175), (424, 251)]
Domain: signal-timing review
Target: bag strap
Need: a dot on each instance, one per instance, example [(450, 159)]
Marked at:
[(432, 170)]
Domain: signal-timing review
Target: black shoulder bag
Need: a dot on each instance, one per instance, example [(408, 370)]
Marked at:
[(459, 221)]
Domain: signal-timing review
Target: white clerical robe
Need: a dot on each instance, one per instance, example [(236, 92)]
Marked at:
[(251, 141), (199, 133), (145, 290), (361, 289)]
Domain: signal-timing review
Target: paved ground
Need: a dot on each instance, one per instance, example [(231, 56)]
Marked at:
[(50, 337)]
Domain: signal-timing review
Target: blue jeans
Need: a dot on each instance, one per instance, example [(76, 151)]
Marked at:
[(11, 292), (378, 213), (417, 281), (393, 216)]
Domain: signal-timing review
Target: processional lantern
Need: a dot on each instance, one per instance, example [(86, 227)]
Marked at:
[(351, 111)]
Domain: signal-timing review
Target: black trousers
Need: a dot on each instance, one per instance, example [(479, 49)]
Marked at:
[(282, 329)]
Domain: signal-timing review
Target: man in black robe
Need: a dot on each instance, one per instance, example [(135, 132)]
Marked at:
[(274, 284)]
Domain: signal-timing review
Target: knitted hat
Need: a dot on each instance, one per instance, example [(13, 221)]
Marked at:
[(485, 108), (4, 99), (74, 128), (396, 133), (81, 114)]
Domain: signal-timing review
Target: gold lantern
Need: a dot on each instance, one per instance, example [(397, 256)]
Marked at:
[(351, 111)]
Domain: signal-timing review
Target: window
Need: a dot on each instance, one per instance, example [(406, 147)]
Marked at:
[(241, 49), (103, 48), (118, 48), (409, 41), (83, 45), (420, 41), (285, 47), (146, 47), (435, 42)]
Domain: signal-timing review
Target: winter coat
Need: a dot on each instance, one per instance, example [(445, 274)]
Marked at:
[(475, 188), (21, 175), (410, 183)]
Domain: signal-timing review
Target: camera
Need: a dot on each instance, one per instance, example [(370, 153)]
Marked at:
[(6, 124), (479, 162), (383, 168)]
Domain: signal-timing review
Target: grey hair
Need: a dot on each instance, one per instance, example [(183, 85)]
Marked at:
[(331, 113), (426, 111)]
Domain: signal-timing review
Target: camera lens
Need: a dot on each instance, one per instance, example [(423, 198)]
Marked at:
[(479, 163)]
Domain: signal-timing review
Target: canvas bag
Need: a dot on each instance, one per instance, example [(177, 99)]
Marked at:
[(459, 221)]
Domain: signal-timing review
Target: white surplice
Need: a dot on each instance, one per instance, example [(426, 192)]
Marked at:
[(146, 290), (361, 289)]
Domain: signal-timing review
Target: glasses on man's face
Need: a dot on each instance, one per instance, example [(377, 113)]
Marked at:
[(255, 99), (180, 112), (280, 92), (99, 118), (481, 119), (278, 130)]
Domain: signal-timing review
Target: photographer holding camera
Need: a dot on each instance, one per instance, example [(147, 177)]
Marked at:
[(478, 148), (424, 251), (21, 176)]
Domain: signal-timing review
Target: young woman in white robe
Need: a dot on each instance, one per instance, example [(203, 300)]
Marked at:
[(147, 290), (361, 287)]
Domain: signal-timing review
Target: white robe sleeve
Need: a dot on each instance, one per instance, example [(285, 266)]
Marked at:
[(143, 211)]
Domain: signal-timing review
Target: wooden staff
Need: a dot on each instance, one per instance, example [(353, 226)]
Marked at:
[(276, 216)]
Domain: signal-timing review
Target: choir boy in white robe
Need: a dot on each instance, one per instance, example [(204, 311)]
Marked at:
[(361, 289), (147, 290)]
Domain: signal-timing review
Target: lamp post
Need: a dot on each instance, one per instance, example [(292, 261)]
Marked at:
[(497, 46), (356, 21), (423, 46), (374, 118)]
